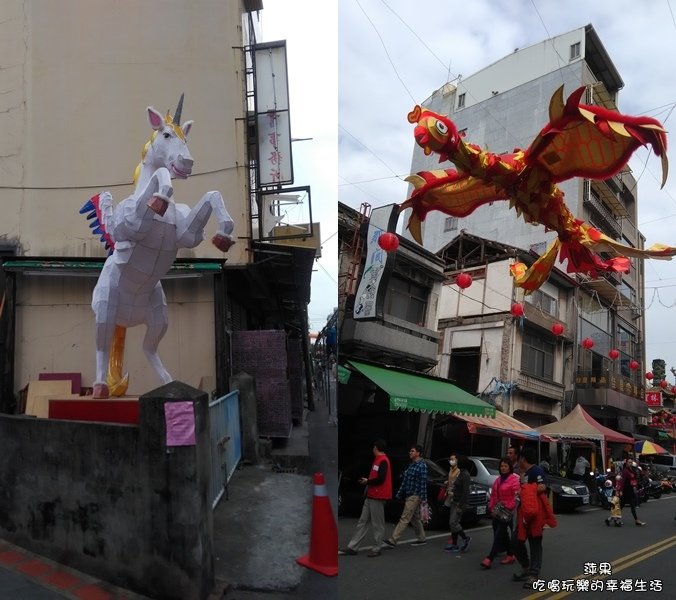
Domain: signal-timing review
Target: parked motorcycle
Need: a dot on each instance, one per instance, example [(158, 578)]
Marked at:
[(667, 485), (648, 488)]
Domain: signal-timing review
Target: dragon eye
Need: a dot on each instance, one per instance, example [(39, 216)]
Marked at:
[(441, 127)]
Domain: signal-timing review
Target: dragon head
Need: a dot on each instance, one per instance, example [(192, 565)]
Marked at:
[(434, 133)]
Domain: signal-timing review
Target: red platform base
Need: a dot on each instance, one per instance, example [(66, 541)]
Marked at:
[(111, 410)]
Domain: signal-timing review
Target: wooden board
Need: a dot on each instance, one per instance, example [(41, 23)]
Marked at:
[(39, 393)]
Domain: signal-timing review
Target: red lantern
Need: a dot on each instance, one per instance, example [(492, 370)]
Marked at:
[(464, 280), (557, 329), (673, 389), (587, 343), (517, 310), (388, 241), (614, 354), (664, 384), (649, 375), (633, 365)]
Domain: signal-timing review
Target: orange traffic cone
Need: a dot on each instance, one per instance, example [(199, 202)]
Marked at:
[(323, 556)]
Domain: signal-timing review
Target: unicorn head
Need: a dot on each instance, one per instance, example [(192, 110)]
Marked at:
[(167, 147)]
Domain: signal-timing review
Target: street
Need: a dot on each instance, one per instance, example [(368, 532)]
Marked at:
[(641, 559)]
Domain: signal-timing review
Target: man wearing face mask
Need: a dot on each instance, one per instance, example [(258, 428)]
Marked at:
[(457, 498)]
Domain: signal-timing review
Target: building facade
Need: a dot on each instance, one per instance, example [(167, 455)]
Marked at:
[(73, 121)]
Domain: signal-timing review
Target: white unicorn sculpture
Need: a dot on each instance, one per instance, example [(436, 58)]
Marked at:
[(144, 233)]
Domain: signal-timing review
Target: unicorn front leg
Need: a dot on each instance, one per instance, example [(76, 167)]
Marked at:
[(134, 216), (191, 231), (157, 193)]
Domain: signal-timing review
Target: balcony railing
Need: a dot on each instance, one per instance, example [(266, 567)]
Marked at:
[(541, 387)]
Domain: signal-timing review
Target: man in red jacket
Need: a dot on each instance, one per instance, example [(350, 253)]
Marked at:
[(533, 513), (378, 491)]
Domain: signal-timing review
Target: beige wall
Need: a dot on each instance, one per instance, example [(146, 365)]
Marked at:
[(55, 332), (76, 78), (79, 76)]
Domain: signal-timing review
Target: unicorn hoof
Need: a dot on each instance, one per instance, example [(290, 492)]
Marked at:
[(158, 205), (100, 391), (222, 242)]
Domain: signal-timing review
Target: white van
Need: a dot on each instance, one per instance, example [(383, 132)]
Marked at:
[(664, 464)]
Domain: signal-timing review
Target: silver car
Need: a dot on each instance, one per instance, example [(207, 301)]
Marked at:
[(484, 469)]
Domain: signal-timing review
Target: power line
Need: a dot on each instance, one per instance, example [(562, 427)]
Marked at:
[(386, 52)]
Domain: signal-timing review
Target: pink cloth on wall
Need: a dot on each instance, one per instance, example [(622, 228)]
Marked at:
[(180, 422)]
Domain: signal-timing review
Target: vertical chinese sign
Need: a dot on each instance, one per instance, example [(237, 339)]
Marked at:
[(370, 297), (272, 114)]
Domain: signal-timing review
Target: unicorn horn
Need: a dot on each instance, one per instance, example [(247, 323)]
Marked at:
[(179, 109)]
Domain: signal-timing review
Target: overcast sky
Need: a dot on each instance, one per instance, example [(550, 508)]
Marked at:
[(395, 53), (310, 30)]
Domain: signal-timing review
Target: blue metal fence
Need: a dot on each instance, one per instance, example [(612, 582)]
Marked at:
[(226, 443)]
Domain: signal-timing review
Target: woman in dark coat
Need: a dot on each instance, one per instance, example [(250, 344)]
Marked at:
[(627, 489)]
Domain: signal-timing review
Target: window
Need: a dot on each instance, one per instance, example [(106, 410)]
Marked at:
[(546, 303), (628, 292), (406, 300), (451, 224), (626, 344), (461, 101), (537, 356), (575, 51)]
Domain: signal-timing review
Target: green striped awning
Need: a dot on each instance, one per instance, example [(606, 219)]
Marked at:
[(93, 267), (423, 393)]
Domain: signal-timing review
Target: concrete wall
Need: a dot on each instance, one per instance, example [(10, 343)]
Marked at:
[(112, 500)]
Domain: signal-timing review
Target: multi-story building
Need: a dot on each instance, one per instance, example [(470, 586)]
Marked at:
[(73, 122), (503, 107), (388, 343)]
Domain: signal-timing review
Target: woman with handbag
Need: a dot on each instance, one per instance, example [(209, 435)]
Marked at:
[(501, 506)]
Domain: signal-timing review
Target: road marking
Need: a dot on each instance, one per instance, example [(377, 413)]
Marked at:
[(618, 565)]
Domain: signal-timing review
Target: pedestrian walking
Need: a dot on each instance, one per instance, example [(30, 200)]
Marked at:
[(627, 489), (580, 468), (504, 492), (533, 513), (513, 457), (413, 490), (378, 490), (459, 500)]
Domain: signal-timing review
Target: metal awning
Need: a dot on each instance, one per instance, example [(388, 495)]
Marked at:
[(502, 424), (423, 393)]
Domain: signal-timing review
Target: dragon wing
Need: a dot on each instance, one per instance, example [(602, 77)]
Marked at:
[(590, 141), (100, 217), (445, 190)]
